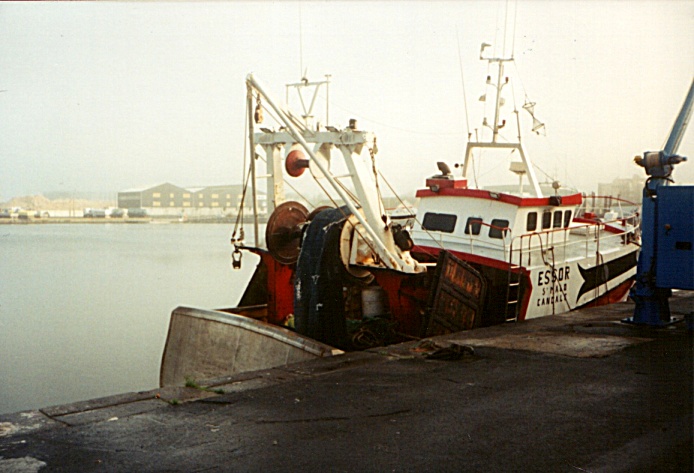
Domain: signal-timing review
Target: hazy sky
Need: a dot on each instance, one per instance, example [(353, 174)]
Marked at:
[(109, 96)]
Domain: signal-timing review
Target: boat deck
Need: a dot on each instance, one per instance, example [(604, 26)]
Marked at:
[(577, 392)]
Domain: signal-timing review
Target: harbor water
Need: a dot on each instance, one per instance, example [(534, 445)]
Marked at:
[(84, 309)]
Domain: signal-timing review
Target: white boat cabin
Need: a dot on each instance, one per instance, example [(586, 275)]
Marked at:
[(483, 221)]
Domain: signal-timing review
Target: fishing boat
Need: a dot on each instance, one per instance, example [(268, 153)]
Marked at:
[(353, 275), (540, 253)]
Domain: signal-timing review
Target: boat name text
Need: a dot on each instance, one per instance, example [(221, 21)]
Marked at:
[(552, 276)]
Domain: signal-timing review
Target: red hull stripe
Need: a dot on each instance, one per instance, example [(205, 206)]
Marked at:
[(573, 199), (618, 294), (467, 257)]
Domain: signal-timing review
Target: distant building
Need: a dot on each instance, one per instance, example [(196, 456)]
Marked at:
[(625, 188), (171, 200)]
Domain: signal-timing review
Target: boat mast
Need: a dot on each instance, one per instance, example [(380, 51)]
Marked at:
[(497, 125), (497, 105)]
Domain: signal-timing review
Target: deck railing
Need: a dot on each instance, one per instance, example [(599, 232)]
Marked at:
[(565, 244), (599, 205)]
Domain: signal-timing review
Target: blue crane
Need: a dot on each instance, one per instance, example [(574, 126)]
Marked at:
[(666, 260)]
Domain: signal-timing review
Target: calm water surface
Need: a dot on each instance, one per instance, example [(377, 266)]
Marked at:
[(84, 309)]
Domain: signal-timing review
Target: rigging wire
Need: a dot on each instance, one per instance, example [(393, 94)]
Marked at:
[(505, 27), (239, 215), (381, 205), (515, 110), (513, 43), (548, 176), (547, 139), (393, 191), (498, 164), (397, 196), (347, 219), (474, 171), (284, 179), (362, 117), (496, 28), (420, 132), (462, 80), (301, 44), (518, 76), (520, 79), (245, 143)]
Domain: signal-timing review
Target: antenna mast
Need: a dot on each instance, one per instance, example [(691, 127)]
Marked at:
[(301, 44)]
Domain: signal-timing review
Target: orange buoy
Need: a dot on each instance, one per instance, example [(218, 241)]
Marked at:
[(296, 163)]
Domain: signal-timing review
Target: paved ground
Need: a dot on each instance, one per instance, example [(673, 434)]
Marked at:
[(563, 394)]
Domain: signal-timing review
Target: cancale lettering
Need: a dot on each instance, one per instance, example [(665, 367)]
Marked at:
[(556, 298)]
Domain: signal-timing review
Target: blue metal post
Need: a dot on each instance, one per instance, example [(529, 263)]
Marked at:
[(652, 306)]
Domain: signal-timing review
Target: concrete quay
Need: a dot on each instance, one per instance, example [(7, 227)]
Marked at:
[(580, 392)]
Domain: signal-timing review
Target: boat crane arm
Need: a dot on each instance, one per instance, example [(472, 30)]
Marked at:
[(660, 163), (680, 125), (378, 229)]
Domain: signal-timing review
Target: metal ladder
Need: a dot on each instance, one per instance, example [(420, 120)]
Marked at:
[(513, 291)]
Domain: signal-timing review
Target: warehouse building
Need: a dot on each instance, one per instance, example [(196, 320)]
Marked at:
[(173, 201)]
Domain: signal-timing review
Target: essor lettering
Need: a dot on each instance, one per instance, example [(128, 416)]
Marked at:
[(553, 275)]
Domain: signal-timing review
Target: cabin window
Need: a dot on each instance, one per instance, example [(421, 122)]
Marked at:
[(567, 218), (498, 228), (439, 222), (531, 222), (546, 220), (557, 218), (473, 226)]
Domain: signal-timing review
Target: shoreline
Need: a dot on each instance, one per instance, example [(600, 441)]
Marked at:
[(86, 220)]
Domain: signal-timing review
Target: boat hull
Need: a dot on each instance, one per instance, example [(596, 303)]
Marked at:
[(549, 289), (205, 344)]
